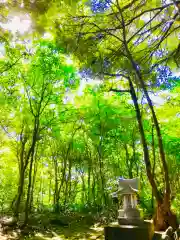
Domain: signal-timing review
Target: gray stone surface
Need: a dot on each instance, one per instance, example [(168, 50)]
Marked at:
[(126, 233), (126, 221), (130, 225), (132, 213), (128, 186)]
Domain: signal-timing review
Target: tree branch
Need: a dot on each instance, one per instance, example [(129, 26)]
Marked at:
[(118, 90), (115, 75), (11, 65)]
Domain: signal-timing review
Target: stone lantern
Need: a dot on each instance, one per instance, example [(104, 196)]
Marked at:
[(128, 189), (129, 225)]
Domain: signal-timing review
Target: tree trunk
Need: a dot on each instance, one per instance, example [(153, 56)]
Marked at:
[(163, 202), (93, 188), (135, 160), (31, 153), (32, 188), (38, 195), (57, 207), (100, 159), (160, 142), (56, 197), (154, 164), (22, 169), (89, 181), (128, 162), (164, 217), (20, 192), (165, 199), (144, 143), (29, 190), (68, 181), (83, 189), (50, 183)]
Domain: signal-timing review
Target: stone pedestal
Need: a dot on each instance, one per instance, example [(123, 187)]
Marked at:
[(130, 226), (143, 230), (129, 213)]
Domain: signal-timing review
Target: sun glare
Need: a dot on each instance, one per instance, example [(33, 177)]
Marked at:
[(69, 61), (17, 24)]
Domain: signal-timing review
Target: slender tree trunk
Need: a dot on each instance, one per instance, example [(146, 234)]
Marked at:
[(68, 180), (60, 188), (93, 189), (31, 153), (29, 190), (154, 163), (144, 143), (160, 142), (74, 191), (50, 183), (20, 192), (32, 188), (164, 215), (22, 169), (89, 182), (56, 197), (63, 176), (134, 158), (128, 162), (102, 180), (83, 189), (38, 195)]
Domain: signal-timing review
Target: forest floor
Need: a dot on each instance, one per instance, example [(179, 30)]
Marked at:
[(42, 229)]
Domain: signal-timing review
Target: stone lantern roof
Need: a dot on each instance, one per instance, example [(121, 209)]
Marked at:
[(128, 186)]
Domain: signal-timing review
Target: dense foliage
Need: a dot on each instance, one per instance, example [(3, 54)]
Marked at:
[(89, 94)]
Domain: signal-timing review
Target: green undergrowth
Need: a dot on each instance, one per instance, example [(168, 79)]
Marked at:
[(57, 227)]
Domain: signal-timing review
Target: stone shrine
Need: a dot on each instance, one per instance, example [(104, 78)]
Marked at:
[(128, 190), (129, 225)]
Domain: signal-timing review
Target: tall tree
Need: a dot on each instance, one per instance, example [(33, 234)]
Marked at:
[(124, 36)]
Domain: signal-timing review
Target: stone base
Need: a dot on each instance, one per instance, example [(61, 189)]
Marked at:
[(130, 213), (134, 222), (115, 231)]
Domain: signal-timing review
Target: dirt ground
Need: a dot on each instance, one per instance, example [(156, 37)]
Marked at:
[(73, 231)]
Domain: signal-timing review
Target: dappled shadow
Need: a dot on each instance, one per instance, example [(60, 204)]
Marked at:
[(73, 231)]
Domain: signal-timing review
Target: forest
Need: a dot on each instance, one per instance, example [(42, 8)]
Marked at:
[(89, 93)]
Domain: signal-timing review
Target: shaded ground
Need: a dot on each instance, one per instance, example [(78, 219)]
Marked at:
[(81, 232), (41, 228), (46, 227)]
